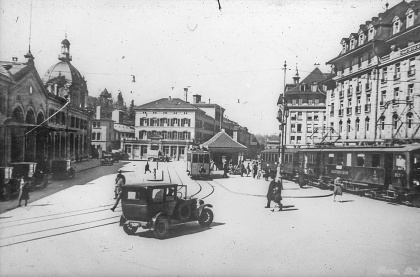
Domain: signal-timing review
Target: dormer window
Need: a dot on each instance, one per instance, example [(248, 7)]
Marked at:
[(344, 48), (410, 18), (395, 25), (371, 33), (361, 39), (352, 43)]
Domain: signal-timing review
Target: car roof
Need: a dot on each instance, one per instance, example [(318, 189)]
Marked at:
[(147, 185)]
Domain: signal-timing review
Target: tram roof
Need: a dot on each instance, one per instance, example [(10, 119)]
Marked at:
[(146, 185), (394, 148)]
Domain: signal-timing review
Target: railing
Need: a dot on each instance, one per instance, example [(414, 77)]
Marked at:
[(349, 92), (411, 72), (384, 80), (349, 111), (340, 94), (367, 107), (397, 76), (358, 109)]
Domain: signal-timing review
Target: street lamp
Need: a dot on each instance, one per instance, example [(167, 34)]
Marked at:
[(282, 116)]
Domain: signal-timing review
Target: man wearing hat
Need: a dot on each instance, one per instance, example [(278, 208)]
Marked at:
[(119, 176)]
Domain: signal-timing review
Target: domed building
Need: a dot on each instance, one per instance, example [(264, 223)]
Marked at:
[(67, 98)]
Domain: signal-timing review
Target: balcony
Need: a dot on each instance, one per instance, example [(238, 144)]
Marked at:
[(358, 89), (340, 112), (367, 108), (368, 86), (358, 109), (397, 76), (341, 94), (384, 80), (349, 111), (349, 92)]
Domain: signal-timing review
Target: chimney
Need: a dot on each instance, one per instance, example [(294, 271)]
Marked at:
[(98, 112), (169, 98), (196, 99), (209, 100)]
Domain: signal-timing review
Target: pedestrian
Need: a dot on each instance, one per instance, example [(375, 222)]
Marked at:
[(119, 176), (270, 192), (23, 191), (147, 168), (277, 194), (225, 169), (254, 170), (259, 170), (242, 168), (118, 189), (337, 188), (248, 170)]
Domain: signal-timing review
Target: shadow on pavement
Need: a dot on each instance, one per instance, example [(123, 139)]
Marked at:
[(345, 201), (41, 205), (181, 230)]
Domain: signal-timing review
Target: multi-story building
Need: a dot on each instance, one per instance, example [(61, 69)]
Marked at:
[(305, 109), (376, 98), (43, 118)]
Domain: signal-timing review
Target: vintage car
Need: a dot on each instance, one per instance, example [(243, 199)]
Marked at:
[(158, 206), (107, 159), (34, 177), (62, 169)]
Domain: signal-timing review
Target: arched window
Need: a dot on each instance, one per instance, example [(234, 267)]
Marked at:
[(348, 126), (367, 121), (357, 125), (164, 134), (382, 118), (410, 18), (395, 25), (395, 120), (340, 126), (371, 32)]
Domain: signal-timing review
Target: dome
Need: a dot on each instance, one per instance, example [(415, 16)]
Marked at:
[(66, 69), (65, 42)]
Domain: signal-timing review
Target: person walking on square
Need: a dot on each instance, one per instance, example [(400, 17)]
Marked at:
[(277, 194), (119, 193), (259, 171), (119, 176), (337, 188), (147, 168), (23, 191), (225, 169), (270, 192), (242, 169), (248, 170), (255, 170)]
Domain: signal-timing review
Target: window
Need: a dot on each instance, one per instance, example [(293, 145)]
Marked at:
[(409, 120), (348, 126), (369, 58), (383, 122), (310, 116), (348, 160), (361, 39), (411, 67), (293, 127), (383, 96), (367, 124), (397, 74), (316, 101), (294, 101), (395, 119), (371, 33), (292, 139), (344, 48), (357, 125), (157, 195), (376, 160), (400, 162), (298, 139), (410, 18), (396, 90), (396, 26), (93, 136), (299, 128), (340, 158), (299, 116), (316, 117), (309, 128), (300, 100), (311, 102), (384, 75), (360, 160), (330, 158), (98, 136)]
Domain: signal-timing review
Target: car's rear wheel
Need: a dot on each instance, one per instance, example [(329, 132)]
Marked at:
[(206, 217), (129, 230), (161, 229)]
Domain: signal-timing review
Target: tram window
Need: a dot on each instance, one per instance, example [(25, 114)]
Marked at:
[(200, 158), (360, 161), (400, 162), (340, 158), (206, 158), (348, 161), (330, 158), (416, 161), (376, 160), (195, 158)]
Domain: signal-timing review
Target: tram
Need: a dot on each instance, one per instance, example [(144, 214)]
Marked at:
[(198, 163), (386, 172)]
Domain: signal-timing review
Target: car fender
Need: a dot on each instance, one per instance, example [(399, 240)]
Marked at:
[(153, 220), (122, 220), (201, 207)]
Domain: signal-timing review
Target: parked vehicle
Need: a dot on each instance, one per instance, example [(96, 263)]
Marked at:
[(107, 159), (29, 171), (6, 180), (62, 169), (158, 206)]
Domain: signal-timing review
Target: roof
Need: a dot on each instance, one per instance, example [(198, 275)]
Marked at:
[(14, 67), (66, 69), (222, 141), (168, 103), (123, 128), (315, 76)]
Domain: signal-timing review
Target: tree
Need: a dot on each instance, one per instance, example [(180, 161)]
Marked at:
[(131, 111)]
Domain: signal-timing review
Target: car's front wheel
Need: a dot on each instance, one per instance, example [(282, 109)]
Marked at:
[(206, 217), (129, 230), (161, 228)]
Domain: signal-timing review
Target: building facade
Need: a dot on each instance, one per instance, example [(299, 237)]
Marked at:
[(376, 99), (305, 110)]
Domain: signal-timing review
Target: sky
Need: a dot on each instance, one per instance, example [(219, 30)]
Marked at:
[(233, 57)]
